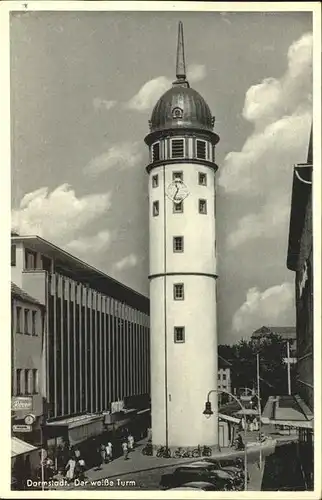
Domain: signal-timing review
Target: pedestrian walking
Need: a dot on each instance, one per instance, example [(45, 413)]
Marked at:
[(125, 449), (77, 453), (107, 453), (130, 440), (251, 426), (81, 469), (70, 469)]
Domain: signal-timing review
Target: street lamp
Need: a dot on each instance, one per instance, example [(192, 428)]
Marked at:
[(208, 412)]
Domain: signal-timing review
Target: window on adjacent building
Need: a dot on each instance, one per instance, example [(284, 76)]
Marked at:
[(201, 149), (34, 324), (224, 376), (45, 263), (177, 175), (30, 259), (26, 321), (202, 206), (202, 179), (179, 334), (155, 208), (18, 382), (178, 207), (27, 385), (178, 291), (18, 319), (178, 244), (35, 381), (13, 255), (218, 376), (155, 181), (177, 148), (156, 151)]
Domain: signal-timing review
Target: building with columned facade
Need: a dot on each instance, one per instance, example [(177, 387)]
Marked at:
[(95, 343), (183, 296)]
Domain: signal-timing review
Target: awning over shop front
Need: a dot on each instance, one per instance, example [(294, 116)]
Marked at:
[(229, 418), (19, 447), (79, 428), (290, 411)]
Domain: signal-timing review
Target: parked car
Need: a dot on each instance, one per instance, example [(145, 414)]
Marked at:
[(198, 471), (235, 467), (196, 485)]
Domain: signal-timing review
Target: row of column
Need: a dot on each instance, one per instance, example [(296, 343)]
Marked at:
[(98, 352)]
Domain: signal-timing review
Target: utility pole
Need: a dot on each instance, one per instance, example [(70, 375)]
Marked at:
[(259, 414), (288, 369)]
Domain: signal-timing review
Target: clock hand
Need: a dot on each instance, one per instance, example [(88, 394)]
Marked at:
[(175, 194)]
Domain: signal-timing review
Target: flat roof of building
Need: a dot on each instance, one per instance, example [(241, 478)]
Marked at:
[(73, 267)]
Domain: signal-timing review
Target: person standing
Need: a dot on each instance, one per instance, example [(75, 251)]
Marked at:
[(108, 451), (125, 449), (130, 441), (70, 468)]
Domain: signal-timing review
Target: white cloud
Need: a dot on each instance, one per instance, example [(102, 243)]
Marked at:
[(59, 214), (281, 113), (152, 90), (273, 307), (126, 154), (99, 103), (196, 72), (90, 244), (270, 221), (149, 93), (126, 263)]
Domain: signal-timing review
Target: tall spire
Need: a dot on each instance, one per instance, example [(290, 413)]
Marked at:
[(181, 65)]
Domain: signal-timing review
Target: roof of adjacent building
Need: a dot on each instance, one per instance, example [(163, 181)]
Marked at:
[(287, 332), (223, 363), (70, 266), (19, 293)]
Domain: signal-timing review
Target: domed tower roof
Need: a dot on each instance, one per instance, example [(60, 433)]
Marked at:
[(181, 107)]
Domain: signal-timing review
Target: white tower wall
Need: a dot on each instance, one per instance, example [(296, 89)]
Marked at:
[(183, 373)]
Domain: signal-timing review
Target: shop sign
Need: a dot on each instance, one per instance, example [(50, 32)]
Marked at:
[(21, 428), (21, 403)]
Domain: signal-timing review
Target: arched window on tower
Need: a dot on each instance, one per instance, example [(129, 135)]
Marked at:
[(201, 149), (156, 152), (177, 148)]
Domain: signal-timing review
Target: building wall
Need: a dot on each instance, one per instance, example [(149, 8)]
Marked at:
[(28, 355), (304, 311), (183, 372), (224, 379)]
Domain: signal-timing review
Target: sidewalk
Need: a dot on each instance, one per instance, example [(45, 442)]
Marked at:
[(138, 463)]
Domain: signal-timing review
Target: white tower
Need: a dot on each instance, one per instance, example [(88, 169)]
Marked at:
[(182, 265)]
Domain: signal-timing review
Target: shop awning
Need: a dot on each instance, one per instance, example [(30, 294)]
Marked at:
[(79, 428), (19, 447), (290, 411), (247, 411), (229, 418)]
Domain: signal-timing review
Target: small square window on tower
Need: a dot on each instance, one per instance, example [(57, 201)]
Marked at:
[(202, 206), (202, 179), (178, 207), (177, 175), (155, 208), (178, 244), (156, 151), (178, 291), (201, 149), (177, 148), (155, 181), (179, 334)]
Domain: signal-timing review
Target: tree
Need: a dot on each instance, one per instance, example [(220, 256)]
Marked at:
[(273, 371)]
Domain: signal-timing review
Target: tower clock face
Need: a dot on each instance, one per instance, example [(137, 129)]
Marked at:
[(177, 191)]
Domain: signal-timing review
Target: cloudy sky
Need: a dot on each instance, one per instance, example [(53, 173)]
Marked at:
[(83, 88)]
